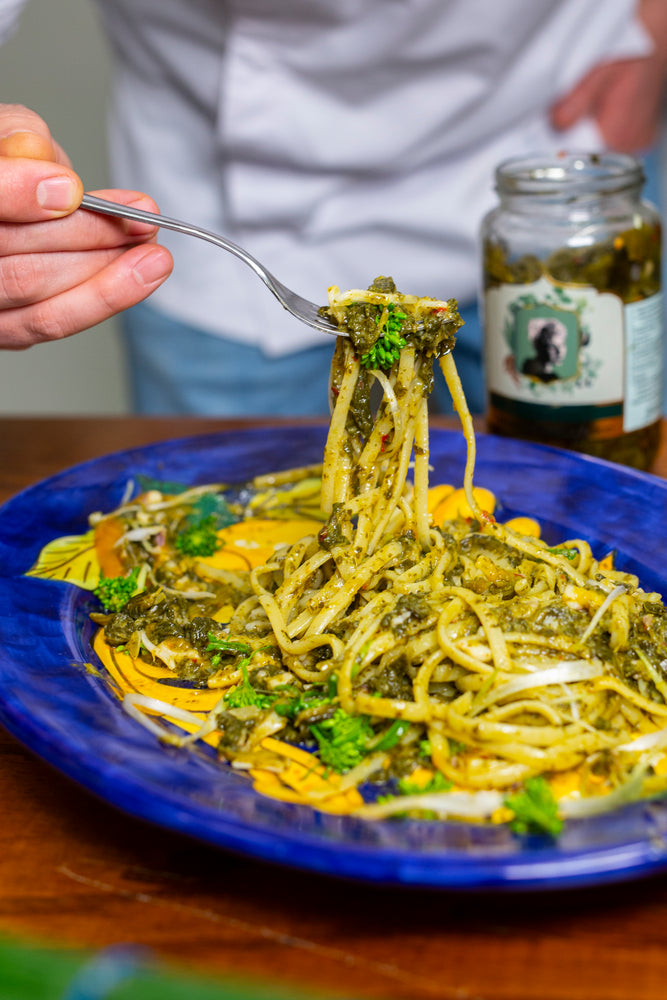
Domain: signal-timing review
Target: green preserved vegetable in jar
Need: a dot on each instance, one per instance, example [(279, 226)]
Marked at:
[(573, 306)]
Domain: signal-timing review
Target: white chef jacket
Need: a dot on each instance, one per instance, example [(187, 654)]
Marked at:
[(337, 139)]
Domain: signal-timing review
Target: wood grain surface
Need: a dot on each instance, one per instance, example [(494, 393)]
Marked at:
[(75, 872)]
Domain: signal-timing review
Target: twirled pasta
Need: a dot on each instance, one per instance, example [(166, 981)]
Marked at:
[(445, 664)]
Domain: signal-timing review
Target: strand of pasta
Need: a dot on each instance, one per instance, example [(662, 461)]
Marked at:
[(453, 381), (389, 476), (334, 450), (421, 471), (362, 575)]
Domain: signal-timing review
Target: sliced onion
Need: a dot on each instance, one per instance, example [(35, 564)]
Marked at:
[(133, 700), (596, 805), (649, 741), (127, 493), (352, 779), (139, 534), (471, 805), (564, 672), (609, 599), (155, 651)]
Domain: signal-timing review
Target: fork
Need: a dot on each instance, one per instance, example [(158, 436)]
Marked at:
[(299, 307)]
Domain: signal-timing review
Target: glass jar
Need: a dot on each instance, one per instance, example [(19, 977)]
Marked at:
[(572, 306)]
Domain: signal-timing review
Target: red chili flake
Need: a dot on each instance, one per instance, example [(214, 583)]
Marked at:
[(335, 390), (385, 438)]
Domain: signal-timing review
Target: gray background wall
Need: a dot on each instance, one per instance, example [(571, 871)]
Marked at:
[(57, 64)]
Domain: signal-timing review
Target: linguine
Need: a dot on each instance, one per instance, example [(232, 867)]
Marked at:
[(383, 661)]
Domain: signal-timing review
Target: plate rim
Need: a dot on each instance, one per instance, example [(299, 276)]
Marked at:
[(532, 868)]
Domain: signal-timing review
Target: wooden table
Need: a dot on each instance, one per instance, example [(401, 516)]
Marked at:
[(74, 872)]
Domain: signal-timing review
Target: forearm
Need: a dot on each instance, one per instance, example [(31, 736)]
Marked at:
[(625, 97), (653, 15)]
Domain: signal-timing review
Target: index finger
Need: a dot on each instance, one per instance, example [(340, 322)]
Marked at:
[(35, 190), (24, 134), (80, 230), (35, 183)]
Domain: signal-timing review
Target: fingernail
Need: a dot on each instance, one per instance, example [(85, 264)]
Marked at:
[(27, 144), (57, 194), (152, 267)]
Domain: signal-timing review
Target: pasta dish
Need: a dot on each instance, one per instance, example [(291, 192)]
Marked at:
[(362, 642)]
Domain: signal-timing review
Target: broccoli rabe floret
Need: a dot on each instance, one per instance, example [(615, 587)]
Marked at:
[(535, 809), (343, 740), (199, 538), (114, 592), (387, 348), (244, 694)]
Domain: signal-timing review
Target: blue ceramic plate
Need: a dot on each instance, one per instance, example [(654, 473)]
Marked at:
[(68, 717)]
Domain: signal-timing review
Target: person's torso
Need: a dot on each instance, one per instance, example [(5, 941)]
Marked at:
[(339, 139)]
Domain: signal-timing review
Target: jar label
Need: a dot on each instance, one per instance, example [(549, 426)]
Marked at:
[(569, 353), (643, 368)]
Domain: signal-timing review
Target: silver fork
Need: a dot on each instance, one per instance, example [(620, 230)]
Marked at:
[(302, 308)]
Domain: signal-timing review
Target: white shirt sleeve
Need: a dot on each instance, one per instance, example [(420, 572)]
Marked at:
[(9, 16)]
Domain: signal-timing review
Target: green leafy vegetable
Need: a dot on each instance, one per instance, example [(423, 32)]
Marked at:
[(562, 550), (343, 740), (229, 646), (114, 592), (535, 809), (293, 701), (390, 738), (213, 505)]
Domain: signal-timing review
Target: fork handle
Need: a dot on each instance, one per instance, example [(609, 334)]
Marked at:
[(95, 204), (305, 311)]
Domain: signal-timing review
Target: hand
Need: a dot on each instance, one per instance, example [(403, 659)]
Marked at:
[(625, 97), (63, 270)]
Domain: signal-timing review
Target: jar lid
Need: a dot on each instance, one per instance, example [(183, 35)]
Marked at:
[(569, 174)]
